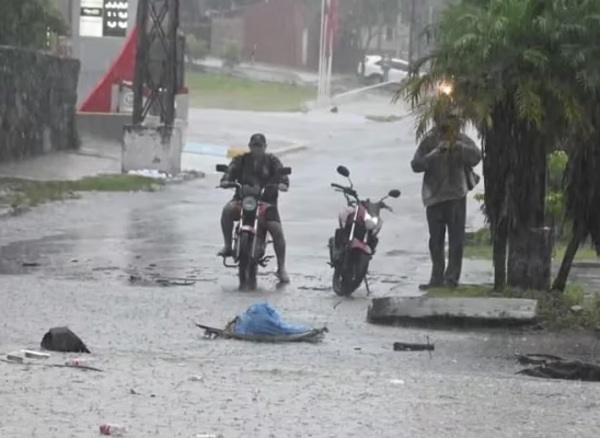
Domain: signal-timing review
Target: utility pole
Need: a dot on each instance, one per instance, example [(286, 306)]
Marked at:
[(156, 66)]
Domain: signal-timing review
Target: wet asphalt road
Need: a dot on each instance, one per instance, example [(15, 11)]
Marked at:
[(351, 385)]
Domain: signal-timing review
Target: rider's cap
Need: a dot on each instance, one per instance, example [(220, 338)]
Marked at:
[(257, 140)]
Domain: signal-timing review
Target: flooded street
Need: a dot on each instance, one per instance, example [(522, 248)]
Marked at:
[(84, 251)]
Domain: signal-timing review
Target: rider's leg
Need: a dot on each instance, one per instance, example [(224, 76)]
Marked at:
[(227, 220), (275, 229)]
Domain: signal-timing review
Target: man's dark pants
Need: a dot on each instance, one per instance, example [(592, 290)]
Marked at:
[(449, 215)]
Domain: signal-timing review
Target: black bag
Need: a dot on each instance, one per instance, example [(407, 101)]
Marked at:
[(64, 340), (472, 178)]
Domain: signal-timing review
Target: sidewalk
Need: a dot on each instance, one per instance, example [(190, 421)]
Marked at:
[(92, 159)]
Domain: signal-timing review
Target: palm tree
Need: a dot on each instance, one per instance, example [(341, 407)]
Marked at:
[(496, 53), (582, 177)]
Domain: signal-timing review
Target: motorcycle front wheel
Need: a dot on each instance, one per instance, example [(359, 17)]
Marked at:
[(350, 275), (247, 267)]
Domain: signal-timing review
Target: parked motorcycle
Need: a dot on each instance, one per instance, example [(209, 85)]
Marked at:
[(355, 240), (250, 233)]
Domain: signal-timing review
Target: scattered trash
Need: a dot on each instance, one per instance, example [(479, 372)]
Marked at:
[(403, 346), (30, 264), (166, 281), (161, 281), (262, 323), (576, 309), (196, 378), (397, 382), (35, 354), (554, 367), (77, 362), (149, 173), (64, 340), (112, 430), (14, 357)]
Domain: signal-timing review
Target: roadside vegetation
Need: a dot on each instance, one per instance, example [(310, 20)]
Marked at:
[(20, 194), (540, 139), (572, 309), (227, 92)]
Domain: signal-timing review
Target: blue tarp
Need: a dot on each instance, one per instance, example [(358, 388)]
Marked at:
[(263, 319)]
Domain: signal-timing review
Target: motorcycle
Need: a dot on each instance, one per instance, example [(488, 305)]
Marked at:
[(355, 240), (250, 233)]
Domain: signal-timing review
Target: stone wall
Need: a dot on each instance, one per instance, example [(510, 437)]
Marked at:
[(38, 96)]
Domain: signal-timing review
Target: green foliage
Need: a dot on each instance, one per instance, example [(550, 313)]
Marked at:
[(20, 193), (526, 73), (196, 49), (360, 19), (232, 54), (27, 23), (555, 310)]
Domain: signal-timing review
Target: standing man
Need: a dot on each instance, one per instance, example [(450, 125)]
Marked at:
[(447, 162)]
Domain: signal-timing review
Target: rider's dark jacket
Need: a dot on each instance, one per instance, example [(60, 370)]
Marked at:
[(244, 170)]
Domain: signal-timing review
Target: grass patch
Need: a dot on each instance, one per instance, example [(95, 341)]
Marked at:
[(556, 311), (20, 193), (226, 92), (478, 246)]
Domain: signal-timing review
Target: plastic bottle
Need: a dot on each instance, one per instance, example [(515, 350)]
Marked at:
[(112, 430), (77, 362)]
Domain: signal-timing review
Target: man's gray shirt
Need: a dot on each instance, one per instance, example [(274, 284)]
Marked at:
[(445, 172)]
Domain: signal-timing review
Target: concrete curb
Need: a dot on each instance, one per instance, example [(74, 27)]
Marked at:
[(453, 312)]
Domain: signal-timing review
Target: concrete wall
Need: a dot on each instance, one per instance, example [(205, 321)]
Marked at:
[(278, 28), (96, 54), (37, 103)]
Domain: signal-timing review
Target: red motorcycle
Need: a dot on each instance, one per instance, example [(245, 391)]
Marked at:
[(355, 240), (250, 233)]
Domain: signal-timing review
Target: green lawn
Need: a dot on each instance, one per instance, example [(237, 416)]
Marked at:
[(554, 308), (20, 193), (478, 247), (225, 92)]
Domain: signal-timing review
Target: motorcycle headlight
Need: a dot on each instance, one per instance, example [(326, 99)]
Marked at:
[(249, 203), (371, 222)]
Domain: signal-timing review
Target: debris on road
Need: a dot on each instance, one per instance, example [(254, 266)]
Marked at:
[(14, 357), (554, 367), (262, 323), (35, 354), (404, 346), (112, 430), (156, 279), (62, 339)]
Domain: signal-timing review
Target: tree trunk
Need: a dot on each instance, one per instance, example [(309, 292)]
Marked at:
[(500, 245), (530, 241), (530, 258), (560, 282)]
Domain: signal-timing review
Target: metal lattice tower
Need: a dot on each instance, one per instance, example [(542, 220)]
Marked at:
[(156, 65)]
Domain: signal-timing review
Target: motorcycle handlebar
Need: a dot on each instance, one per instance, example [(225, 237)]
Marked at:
[(345, 190)]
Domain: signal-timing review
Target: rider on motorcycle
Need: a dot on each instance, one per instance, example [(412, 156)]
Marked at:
[(256, 167)]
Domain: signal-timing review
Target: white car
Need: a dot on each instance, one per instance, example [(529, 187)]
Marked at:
[(373, 73)]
